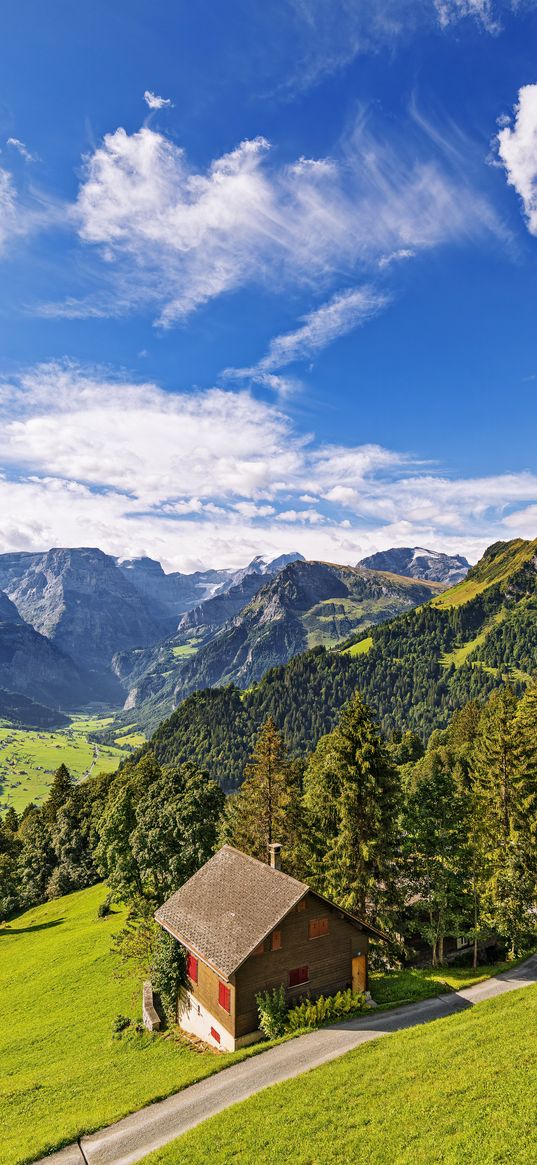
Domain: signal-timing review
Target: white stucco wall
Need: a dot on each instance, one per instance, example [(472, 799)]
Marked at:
[(196, 1018)]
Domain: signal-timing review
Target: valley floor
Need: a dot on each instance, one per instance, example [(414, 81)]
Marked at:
[(29, 758)]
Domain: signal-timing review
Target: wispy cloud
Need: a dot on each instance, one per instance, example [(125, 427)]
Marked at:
[(176, 237), (156, 102), (341, 314), (517, 150), (21, 149), (328, 35), (214, 477)]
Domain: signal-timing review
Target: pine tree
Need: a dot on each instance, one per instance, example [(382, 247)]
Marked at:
[(75, 868), (436, 826), (36, 859), (502, 834), (59, 792), (265, 809), (176, 827), (352, 796)]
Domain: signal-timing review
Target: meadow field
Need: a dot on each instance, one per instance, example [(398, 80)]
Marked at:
[(29, 758), (64, 1069)]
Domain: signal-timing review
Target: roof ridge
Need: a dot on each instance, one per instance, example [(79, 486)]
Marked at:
[(259, 862)]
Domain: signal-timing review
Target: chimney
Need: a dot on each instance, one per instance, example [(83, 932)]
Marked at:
[(275, 855)]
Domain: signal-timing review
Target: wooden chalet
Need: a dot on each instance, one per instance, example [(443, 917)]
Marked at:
[(247, 926)]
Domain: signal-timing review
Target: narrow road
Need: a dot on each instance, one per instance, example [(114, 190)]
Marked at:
[(131, 1139)]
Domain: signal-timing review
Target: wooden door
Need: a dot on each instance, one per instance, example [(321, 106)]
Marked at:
[(359, 974)]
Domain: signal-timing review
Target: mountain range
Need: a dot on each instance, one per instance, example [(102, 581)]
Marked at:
[(79, 627)]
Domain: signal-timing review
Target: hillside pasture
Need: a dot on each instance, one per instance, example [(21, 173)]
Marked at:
[(460, 1090), (64, 1071)]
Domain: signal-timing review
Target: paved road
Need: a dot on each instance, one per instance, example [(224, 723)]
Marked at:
[(156, 1125)]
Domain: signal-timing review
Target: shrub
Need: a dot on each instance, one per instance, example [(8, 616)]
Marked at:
[(312, 1012), (272, 1008), (120, 1023), (105, 908)]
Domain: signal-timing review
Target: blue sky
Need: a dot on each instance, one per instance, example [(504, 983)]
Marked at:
[(286, 299)]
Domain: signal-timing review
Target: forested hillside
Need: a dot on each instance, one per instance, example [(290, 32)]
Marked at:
[(414, 671)]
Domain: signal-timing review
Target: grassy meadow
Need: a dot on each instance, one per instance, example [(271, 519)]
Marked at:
[(29, 757), (64, 1072), (460, 1091)]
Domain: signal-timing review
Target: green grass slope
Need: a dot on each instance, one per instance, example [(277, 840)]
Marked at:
[(460, 1091), (499, 563), (62, 1071)]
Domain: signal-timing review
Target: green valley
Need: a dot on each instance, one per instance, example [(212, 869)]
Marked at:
[(29, 758)]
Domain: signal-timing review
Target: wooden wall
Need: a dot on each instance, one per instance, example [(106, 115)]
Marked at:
[(329, 959)]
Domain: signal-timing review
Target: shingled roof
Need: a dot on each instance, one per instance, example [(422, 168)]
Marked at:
[(228, 907)]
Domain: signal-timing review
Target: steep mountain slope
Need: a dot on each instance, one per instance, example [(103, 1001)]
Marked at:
[(32, 666), (415, 562), (306, 604), (208, 616), (174, 593), (414, 671), (81, 602), (33, 674)]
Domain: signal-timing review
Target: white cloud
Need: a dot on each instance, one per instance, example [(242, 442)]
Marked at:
[(156, 102), (8, 208), (21, 149), (327, 36), (215, 477), (517, 149), (484, 11), (177, 238), (344, 312)]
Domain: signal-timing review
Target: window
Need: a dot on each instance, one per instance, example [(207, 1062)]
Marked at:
[(260, 950), (463, 941), (192, 967), (215, 1035), (276, 940), (301, 906), (224, 997), (298, 975), (317, 927)]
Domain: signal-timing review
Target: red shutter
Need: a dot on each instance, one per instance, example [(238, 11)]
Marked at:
[(317, 927), (224, 997), (215, 1035), (276, 940), (192, 967), (298, 975)]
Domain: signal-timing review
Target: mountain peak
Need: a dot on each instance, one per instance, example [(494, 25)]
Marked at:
[(418, 562)]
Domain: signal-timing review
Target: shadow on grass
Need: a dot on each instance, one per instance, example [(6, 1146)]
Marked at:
[(10, 930)]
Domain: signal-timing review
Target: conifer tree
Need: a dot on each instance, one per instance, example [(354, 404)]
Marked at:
[(59, 792), (266, 807), (502, 834), (436, 826), (352, 796)]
